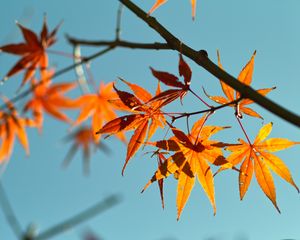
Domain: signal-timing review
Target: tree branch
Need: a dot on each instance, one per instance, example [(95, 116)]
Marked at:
[(93, 211), (211, 109), (120, 43), (9, 213), (201, 58)]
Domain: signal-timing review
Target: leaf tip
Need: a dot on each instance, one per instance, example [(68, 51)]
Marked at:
[(123, 169), (123, 80), (3, 80), (277, 208), (242, 195), (98, 132)]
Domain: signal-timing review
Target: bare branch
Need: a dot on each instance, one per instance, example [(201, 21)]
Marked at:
[(100, 207), (9, 213), (119, 18), (120, 43), (211, 110)]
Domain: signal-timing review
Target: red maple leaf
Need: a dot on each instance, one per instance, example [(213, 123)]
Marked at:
[(32, 51)]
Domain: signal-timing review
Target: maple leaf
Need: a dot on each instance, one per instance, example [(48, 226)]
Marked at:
[(245, 77), (158, 3), (11, 126), (145, 120), (257, 157), (49, 98), (83, 138), (160, 160), (100, 107), (193, 155), (171, 80), (32, 51)]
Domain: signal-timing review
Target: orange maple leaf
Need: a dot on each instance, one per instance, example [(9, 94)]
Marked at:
[(158, 3), (257, 157), (245, 77), (193, 155), (100, 107), (145, 120), (32, 51), (11, 126), (50, 98), (160, 160), (83, 138)]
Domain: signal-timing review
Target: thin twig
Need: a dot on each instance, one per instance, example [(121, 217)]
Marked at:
[(211, 109), (197, 96), (243, 129), (9, 213), (91, 78), (120, 43), (119, 18), (100, 207), (79, 71), (201, 58)]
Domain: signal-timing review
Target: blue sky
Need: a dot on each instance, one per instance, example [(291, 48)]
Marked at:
[(44, 194)]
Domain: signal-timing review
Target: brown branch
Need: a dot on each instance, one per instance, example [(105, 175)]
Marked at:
[(201, 58), (120, 43), (211, 109), (89, 213), (9, 213), (119, 18)]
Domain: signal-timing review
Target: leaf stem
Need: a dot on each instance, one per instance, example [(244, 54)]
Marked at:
[(211, 109), (90, 76), (64, 54), (243, 129), (197, 96)]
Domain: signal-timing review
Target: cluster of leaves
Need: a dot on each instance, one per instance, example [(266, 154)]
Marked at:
[(195, 153), (186, 156), (50, 98)]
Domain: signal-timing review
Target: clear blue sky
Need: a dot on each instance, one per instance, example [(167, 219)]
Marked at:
[(44, 194)]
